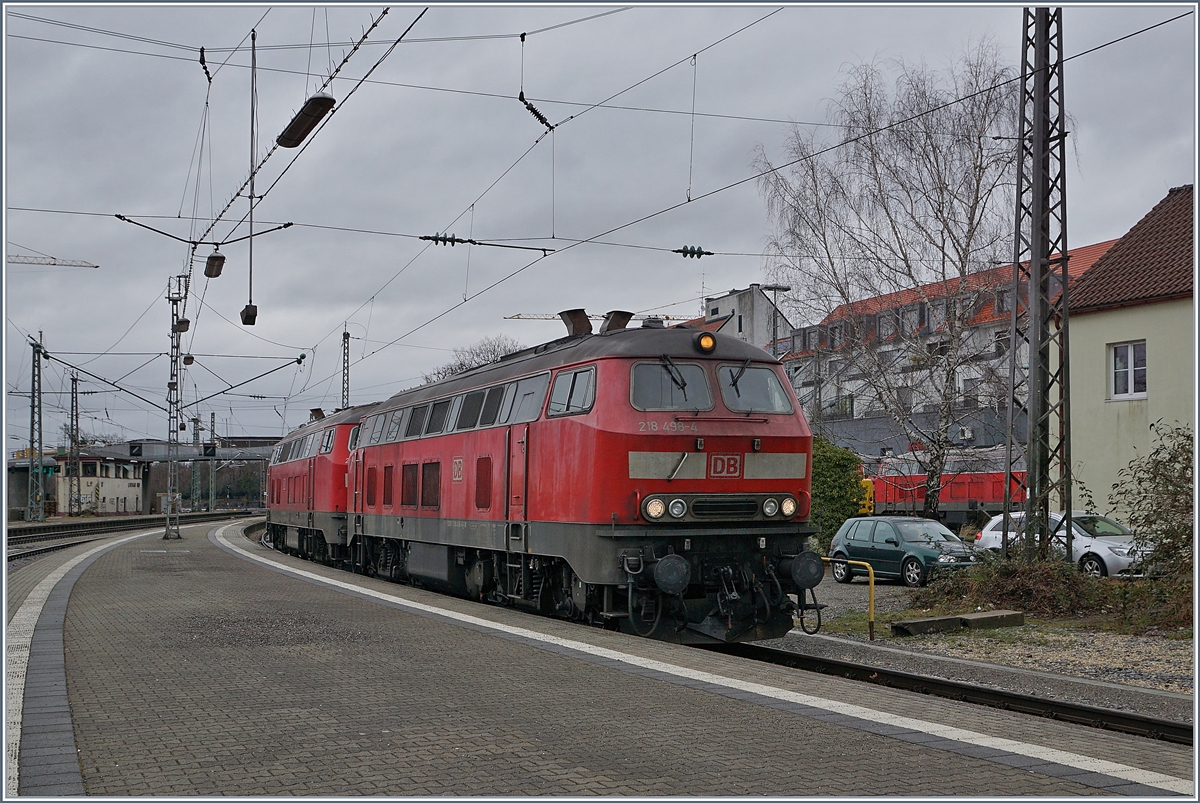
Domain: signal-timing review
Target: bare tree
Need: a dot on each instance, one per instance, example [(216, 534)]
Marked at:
[(488, 350), (891, 235)]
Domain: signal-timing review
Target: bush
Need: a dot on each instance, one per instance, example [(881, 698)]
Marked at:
[(1154, 495), (836, 490), (1056, 589)]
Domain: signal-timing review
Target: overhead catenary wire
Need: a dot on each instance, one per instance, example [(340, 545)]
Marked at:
[(747, 179)]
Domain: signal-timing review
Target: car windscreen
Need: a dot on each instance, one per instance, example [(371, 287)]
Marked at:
[(1101, 527), (748, 389), (670, 385), (917, 531)]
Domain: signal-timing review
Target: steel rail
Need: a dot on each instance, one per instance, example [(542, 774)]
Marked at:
[(16, 535), (41, 550), (1092, 716)]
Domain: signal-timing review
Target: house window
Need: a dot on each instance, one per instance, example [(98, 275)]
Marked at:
[(715, 312), (739, 323), (1001, 341), (89, 469), (1127, 363)]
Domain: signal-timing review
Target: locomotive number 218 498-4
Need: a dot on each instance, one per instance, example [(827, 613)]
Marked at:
[(667, 426)]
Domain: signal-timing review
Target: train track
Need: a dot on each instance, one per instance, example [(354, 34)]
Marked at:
[(20, 535), (1105, 718)]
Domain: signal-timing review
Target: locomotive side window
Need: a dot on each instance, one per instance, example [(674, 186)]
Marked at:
[(483, 483), (437, 417), (669, 385), (471, 407), (371, 483), (327, 441), (528, 398), (431, 484), (388, 482), (491, 406), (377, 427), (408, 485), (574, 392), (353, 440), (416, 421), (756, 390), (393, 429), (510, 393)]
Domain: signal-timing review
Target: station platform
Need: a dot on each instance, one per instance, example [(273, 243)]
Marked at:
[(213, 666)]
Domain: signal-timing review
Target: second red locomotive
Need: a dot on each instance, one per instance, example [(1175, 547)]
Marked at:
[(652, 479)]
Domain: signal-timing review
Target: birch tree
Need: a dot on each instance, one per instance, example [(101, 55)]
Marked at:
[(904, 198)]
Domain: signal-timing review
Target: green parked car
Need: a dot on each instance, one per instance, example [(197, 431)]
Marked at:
[(905, 548)]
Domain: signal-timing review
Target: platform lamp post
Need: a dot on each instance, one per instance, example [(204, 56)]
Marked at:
[(776, 290)]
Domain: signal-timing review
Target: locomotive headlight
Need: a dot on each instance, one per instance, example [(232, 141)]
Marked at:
[(655, 509), (788, 506), (677, 508), (770, 507)]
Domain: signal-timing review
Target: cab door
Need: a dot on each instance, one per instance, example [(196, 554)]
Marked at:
[(517, 485)]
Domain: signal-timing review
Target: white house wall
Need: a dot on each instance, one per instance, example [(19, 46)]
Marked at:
[(1106, 433)]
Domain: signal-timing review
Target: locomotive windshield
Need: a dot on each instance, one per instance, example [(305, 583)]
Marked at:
[(756, 390), (670, 385)]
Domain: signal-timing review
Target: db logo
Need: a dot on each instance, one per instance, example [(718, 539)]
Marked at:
[(728, 466), (456, 466)]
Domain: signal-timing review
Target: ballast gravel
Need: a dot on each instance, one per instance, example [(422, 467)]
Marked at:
[(1151, 675)]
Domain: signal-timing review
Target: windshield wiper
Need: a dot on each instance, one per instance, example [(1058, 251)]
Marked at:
[(675, 374), (738, 376)]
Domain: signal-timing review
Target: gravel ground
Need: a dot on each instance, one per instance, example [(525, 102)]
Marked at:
[(1152, 675)]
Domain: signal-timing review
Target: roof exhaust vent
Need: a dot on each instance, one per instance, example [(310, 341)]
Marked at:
[(615, 320), (652, 323), (577, 321)]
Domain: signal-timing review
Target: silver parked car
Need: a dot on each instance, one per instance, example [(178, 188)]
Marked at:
[(1100, 545)]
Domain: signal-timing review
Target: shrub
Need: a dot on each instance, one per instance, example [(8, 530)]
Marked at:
[(836, 490), (1154, 495)]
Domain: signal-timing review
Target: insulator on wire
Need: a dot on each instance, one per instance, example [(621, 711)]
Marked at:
[(690, 251)]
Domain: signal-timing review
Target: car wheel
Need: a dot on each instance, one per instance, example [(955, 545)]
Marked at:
[(913, 573), (841, 572), (1093, 565)]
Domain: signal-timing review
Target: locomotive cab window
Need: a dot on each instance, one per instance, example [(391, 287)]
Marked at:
[(747, 389), (327, 441), (669, 385), (528, 398), (377, 426), (574, 392), (352, 441)]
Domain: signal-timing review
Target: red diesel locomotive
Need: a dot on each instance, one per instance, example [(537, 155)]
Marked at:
[(656, 480)]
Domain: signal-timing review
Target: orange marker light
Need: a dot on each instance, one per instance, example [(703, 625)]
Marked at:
[(705, 343)]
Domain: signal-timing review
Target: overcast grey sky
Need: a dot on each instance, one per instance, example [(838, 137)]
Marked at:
[(103, 111)]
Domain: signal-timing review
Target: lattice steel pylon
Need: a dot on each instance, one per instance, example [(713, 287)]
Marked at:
[(196, 463), (176, 293), (74, 465), (345, 369), (1039, 319), (35, 509), (212, 464)]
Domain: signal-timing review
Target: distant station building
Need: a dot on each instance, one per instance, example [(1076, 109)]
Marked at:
[(748, 315)]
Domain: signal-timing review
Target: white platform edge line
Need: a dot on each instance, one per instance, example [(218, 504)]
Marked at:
[(1049, 754), (19, 636)]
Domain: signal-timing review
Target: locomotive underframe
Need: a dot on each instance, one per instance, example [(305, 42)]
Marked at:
[(737, 577)]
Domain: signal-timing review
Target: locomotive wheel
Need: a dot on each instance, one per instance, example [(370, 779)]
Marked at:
[(1093, 565), (913, 573), (841, 572)]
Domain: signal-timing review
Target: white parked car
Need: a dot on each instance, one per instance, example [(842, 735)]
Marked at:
[(1099, 545)]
